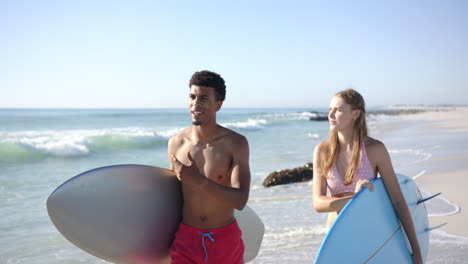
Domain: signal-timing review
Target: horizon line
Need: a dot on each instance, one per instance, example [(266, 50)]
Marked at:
[(228, 107)]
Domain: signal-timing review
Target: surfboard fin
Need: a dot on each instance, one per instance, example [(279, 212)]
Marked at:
[(428, 198), (419, 175), (405, 181), (435, 227)]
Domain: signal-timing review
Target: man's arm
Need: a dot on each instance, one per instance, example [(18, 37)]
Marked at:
[(235, 196)]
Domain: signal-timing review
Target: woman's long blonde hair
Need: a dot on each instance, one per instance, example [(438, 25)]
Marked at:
[(356, 101)]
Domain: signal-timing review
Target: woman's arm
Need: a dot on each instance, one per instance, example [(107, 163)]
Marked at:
[(322, 202), (385, 169)]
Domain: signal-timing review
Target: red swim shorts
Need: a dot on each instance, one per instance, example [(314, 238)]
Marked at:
[(221, 245)]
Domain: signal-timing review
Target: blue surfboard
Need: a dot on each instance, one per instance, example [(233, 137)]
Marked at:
[(368, 230)]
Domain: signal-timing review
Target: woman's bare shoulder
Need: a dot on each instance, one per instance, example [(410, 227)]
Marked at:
[(375, 147), (322, 146)]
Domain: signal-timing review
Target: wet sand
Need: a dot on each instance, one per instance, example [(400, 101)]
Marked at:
[(452, 157)]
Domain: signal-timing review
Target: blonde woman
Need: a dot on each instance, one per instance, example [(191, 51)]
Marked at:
[(349, 160)]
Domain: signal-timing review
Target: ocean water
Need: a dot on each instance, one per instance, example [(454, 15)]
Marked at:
[(40, 149)]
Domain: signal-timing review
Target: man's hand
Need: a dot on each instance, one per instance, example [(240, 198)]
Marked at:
[(189, 174)]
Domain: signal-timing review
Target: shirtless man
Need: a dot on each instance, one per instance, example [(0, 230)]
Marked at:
[(212, 162)]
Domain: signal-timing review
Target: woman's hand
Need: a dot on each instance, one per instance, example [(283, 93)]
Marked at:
[(363, 183)]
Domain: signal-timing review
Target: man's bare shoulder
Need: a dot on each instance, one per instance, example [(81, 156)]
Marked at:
[(180, 137), (232, 136)]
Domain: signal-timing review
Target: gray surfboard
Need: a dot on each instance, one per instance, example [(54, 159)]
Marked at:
[(130, 213)]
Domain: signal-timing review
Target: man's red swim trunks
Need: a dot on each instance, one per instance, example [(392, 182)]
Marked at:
[(221, 245)]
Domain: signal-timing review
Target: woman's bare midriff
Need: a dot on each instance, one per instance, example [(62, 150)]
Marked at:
[(333, 215)]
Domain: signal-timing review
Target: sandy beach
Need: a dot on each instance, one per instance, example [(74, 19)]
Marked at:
[(451, 182), (447, 167)]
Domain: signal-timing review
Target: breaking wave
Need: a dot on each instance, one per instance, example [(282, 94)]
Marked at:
[(30, 145), (250, 124)]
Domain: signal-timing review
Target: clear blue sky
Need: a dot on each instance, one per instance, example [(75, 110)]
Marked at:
[(271, 53)]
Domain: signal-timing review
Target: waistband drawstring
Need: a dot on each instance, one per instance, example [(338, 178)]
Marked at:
[(208, 235)]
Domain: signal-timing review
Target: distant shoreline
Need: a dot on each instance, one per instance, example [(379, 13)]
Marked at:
[(391, 111), (371, 108)]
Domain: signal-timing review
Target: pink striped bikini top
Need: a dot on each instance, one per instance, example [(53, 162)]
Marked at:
[(365, 171)]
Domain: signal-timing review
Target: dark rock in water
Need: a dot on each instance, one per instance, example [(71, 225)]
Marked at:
[(319, 116), (300, 174)]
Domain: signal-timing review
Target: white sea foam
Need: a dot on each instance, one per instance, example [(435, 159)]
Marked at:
[(439, 206), (168, 133), (72, 143), (51, 142), (250, 124), (439, 236), (420, 154), (301, 115), (313, 135), (9, 196), (282, 233), (290, 116), (278, 198)]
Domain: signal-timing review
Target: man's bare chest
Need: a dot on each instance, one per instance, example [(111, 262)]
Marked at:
[(213, 160)]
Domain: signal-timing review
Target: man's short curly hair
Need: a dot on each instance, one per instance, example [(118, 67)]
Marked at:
[(210, 79)]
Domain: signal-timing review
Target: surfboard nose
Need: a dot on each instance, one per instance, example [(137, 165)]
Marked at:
[(119, 212)]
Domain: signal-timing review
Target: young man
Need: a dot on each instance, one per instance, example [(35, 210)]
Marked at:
[(212, 162)]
